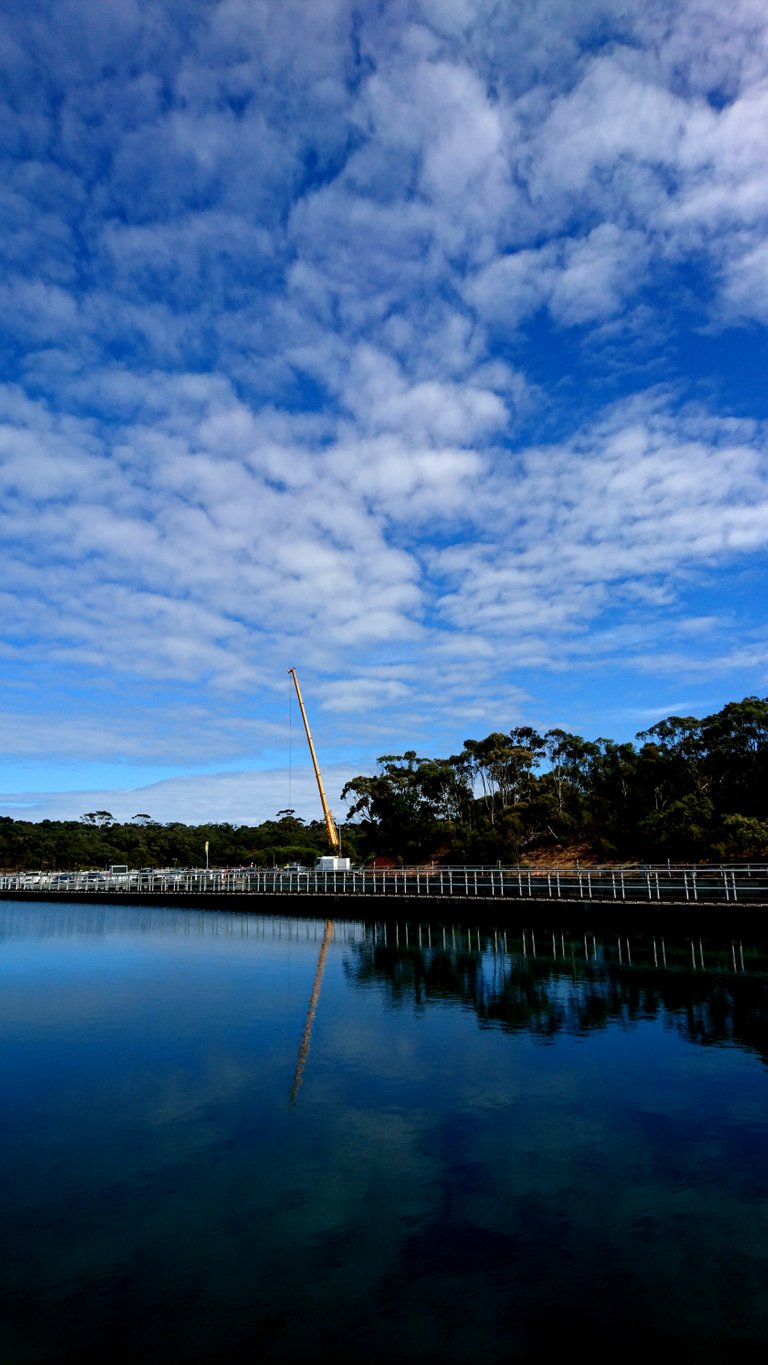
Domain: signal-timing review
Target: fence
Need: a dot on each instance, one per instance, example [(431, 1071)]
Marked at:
[(653, 884)]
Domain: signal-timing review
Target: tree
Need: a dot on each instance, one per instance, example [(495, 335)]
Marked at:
[(614, 810), (680, 741), (404, 803), (743, 836), (570, 758), (502, 765), (682, 830), (736, 740)]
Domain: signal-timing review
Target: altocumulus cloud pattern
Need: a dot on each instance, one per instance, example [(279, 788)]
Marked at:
[(420, 345)]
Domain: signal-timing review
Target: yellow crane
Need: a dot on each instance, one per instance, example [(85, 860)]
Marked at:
[(335, 863)]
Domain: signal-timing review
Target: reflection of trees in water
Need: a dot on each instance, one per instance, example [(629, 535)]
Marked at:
[(546, 997)]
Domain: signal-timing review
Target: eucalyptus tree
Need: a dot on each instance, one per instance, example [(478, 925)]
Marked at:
[(710, 780), (403, 805), (571, 760), (501, 766), (681, 746), (608, 797), (736, 741)]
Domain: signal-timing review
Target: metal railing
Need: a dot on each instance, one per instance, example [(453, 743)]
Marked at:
[(651, 884)]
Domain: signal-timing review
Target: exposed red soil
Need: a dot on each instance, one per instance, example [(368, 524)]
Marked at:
[(554, 855), (567, 855)]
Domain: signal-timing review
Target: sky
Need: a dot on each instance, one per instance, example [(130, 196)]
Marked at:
[(418, 345)]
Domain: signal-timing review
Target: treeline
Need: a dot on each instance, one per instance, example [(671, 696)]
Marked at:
[(97, 840), (688, 789), (693, 790)]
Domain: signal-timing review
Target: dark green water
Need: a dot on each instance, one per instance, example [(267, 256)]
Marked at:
[(486, 1156)]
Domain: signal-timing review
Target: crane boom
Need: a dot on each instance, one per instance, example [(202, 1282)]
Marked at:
[(330, 825)]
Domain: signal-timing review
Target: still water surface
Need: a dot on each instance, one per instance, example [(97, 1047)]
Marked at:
[(231, 1138)]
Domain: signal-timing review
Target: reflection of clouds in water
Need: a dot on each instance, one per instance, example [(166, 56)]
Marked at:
[(446, 1181)]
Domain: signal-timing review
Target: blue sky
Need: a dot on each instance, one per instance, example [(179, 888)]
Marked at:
[(420, 346)]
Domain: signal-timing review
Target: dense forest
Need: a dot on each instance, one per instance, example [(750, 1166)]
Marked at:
[(687, 789)]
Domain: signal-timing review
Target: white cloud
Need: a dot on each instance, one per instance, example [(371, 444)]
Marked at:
[(642, 496), (317, 322), (746, 283), (609, 116)]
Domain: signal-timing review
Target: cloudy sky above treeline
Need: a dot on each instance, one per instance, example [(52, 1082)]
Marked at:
[(418, 345)]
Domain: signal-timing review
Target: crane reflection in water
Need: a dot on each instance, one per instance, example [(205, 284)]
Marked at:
[(306, 1037)]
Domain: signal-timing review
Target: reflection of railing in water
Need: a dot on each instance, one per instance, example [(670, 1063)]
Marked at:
[(558, 946), (535, 979), (47, 920), (545, 983), (651, 885)]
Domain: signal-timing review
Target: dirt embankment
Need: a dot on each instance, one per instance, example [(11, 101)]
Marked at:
[(568, 855), (553, 856)]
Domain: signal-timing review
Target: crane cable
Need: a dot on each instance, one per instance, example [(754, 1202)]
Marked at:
[(290, 740)]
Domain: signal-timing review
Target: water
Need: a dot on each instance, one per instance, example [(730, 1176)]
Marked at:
[(228, 1138)]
